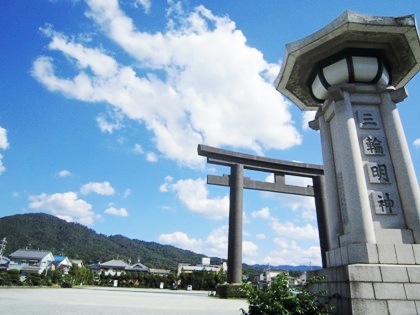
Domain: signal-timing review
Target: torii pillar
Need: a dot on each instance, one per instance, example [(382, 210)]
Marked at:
[(353, 72)]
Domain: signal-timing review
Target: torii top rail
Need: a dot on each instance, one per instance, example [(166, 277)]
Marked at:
[(279, 168)]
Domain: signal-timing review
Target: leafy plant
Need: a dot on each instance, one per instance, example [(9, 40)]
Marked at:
[(279, 299)]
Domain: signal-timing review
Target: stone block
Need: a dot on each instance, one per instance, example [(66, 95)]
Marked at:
[(413, 291), (344, 256), (361, 290), (387, 254), (371, 307), (337, 255), (327, 258), (394, 236), (364, 273), (402, 307), (342, 273), (416, 249), (362, 254), (394, 274), (418, 306), (413, 274), (405, 254), (389, 291), (331, 258)]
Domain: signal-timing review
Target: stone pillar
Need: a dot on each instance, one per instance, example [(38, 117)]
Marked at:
[(401, 160), (320, 202), (234, 273), (334, 226), (350, 177)]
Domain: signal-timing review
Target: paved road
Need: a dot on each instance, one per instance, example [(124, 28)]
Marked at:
[(95, 300)]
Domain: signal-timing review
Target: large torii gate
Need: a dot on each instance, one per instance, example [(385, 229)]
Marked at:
[(237, 182)]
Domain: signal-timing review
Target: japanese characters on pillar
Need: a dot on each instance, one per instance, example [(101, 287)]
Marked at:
[(378, 166)]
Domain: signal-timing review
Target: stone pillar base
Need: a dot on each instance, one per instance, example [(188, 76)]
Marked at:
[(230, 291), (362, 289)]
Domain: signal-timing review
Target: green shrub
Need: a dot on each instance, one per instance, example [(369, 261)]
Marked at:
[(278, 299)]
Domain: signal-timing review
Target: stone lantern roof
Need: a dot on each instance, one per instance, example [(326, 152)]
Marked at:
[(395, 38)]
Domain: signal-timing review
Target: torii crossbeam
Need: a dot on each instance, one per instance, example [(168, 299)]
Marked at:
[(237, 163)]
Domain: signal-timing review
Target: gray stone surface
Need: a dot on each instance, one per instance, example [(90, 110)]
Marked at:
[(362, 290), (405, 254), (413, 291), (364, 273), (387, 254), (93, 300), (402, 307), (416, 249), (389, 291), (414, 273), (394, 274), (371, 307)]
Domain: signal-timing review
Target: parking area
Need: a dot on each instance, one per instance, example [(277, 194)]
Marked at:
[(99, 300)]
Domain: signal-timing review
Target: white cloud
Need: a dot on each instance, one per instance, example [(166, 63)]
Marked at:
[(66, 206), (4, 143), (111, 123), (416, 143), (200, 82), (122, 212), (264, 213), (145, 4), (292, 231), (305, 204), (167, 184), (126, 193), (309, 215), (249, 249), (151, 157), (138, 149), (288, 253), (103, 188), (307, 116), (216, 243), (181, 240), (194, 195), (260, 236), (64, 173), (2, 167)]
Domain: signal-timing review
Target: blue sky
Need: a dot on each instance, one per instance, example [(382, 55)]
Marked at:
[(103, 104)]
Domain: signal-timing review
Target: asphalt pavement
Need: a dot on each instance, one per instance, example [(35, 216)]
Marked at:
[(100, 300)]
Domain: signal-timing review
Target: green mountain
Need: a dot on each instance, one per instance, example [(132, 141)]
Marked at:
[(43, 231)]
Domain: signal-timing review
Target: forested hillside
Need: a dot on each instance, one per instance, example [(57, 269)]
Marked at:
[(43, 231)]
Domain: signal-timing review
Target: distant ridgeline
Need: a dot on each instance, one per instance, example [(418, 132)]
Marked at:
[(43, 231)]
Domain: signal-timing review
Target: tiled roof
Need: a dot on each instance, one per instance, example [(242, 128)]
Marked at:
[(58, 259), (29, 254), (115, 263), (137, 267)]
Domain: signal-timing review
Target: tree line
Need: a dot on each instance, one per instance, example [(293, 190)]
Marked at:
[(79, 276)]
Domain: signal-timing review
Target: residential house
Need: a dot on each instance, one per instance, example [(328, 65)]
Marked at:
[(137, 267), (62, 263), (204, 266), (159, 272), (77, 262), (114, 267), (30, 261), (4, 263), (265, 278)]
